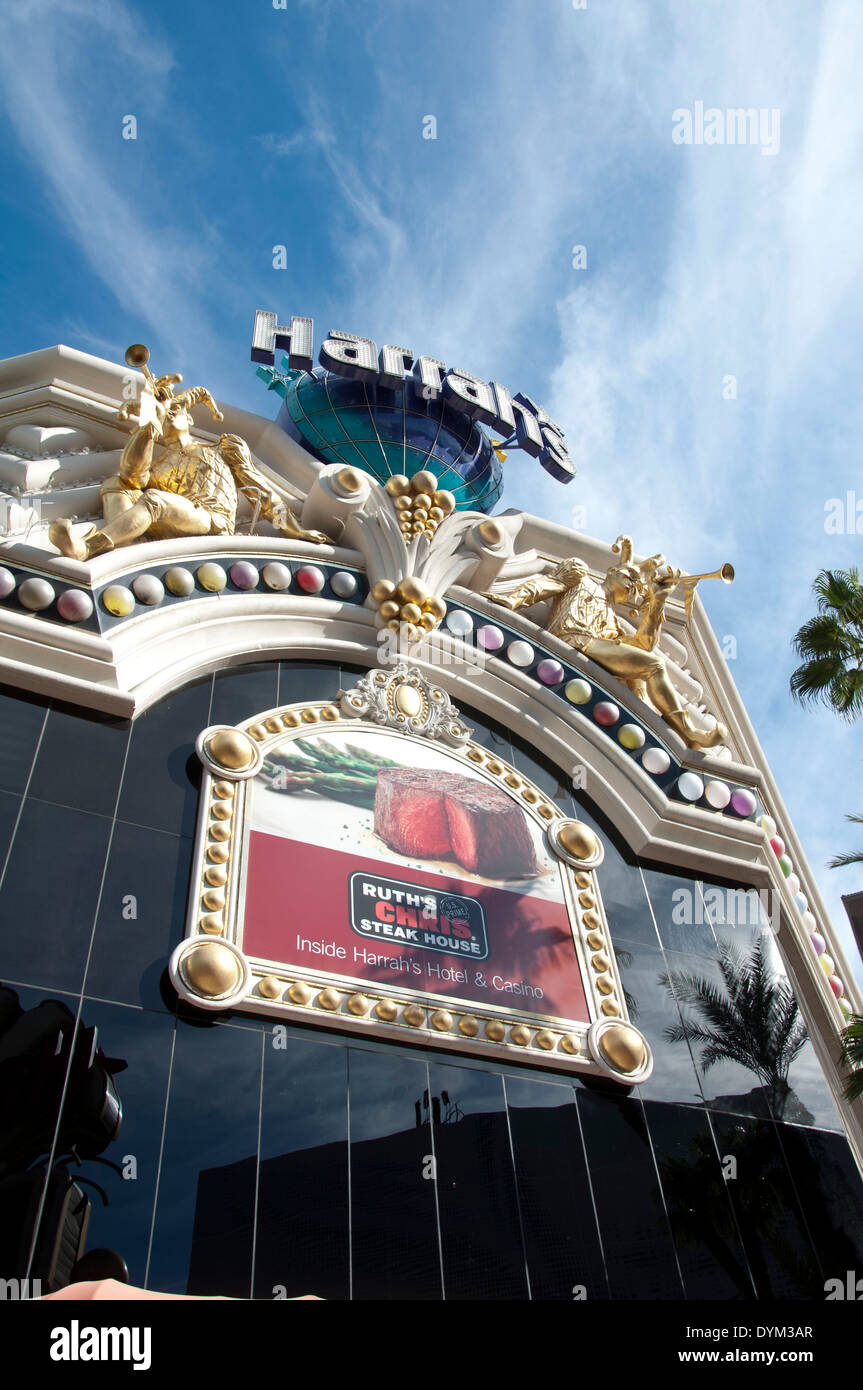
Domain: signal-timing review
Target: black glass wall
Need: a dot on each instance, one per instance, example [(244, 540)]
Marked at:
[(216, 1156)]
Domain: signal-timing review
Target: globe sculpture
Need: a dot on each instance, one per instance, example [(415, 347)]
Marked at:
[(385, 432)]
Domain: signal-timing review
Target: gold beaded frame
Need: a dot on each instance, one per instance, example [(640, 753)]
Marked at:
[(210, 969)]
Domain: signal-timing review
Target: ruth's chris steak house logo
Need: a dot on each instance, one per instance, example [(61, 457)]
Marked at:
[(402, 914)]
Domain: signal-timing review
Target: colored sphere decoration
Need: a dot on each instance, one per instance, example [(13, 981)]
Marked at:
[(276, 576), (827, 964), (717, 795), (819, 945), (7, 583), (801, 902), (310, 579), (743, 803), (690, 786), (75, 606), (211, 577), (118, 600), (35, 594), (244, 575), (459, 623), (768, 825), (578, 692), (777, 844), (550, 672), (809, 922), (179, 581), (343, 584), (606, 714), (794, 887), (845, 1006), (785, 864), (490, 638), (148, 589), (631, 736), (655, 761), (837, 986), (520, 653)]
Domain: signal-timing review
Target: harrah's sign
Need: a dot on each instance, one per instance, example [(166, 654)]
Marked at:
[(518, 419)]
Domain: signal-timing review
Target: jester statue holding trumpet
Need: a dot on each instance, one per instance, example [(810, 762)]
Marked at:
[(582, 614), (188, 488)]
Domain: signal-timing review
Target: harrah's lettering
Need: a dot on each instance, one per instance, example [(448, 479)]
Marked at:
[(404, 915), (521, 422)]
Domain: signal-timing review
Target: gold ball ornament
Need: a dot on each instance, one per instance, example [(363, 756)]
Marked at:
[(578, 839), (384, 589), (435, 606), (410, 613), (211, 970), (422, 501), (623, 1047), (351, 479), (412, 590), (389, 609), (445, 500), (231, 749), (423, 482), (398, 485), (270, 987)]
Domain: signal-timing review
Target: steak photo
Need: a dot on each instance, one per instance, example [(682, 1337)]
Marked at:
[(441, 815)]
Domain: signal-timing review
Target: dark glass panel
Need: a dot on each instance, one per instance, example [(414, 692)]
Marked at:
[(160, 786), (22, 717), (242, 691), (557, 1215), (130, 952), (774, 1234), (394, 1233), (705, 1232), (623, 893), (830, 1192), (9, 804), (80, 761), (737, 1058), (682, 918), (143, 1041), (483, 1254), (550, 779), (654, 1011), (203, 1230), (302, 1243), (49, 894), (633, 1223), (307, 680)]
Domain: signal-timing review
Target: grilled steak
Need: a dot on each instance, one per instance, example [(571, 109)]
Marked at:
[(441, 815)]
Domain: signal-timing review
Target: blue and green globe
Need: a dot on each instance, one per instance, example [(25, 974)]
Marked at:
[(386, 432)]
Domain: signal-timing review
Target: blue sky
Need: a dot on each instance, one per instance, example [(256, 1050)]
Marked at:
[(303, 126)]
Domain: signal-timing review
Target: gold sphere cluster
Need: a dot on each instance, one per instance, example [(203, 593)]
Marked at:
[(420, 504), (410, 602)]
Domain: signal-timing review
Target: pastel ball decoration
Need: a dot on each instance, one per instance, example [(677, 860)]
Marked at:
[(244, 575), (801, 902), (631, 736), (343, 584), (276, 576), (767, 824), (460, 624), (690, 786), (75, 606), (211, 577), (148, 589), (578, 692), (809, 922), (785, 864), (827, 964), (655, 761), (845, 1006), (490, 638), (310, 579), (743, 802), (777, 844), (118, 600), (717, 795), (520, 653), (794, 886), (7, 583), (36, 594), (819, 945), (836, 985), (550, 672), (179, 581), (605, 714)]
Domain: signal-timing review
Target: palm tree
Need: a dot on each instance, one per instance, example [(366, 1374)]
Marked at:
[(831, 645), (852, 1055), (752, 1019), (840, 860)]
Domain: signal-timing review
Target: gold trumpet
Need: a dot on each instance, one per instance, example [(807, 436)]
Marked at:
[(725, 573), (138, 356)]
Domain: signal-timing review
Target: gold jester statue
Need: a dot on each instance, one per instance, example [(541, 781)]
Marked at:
[(582, 614), (187, 488)]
